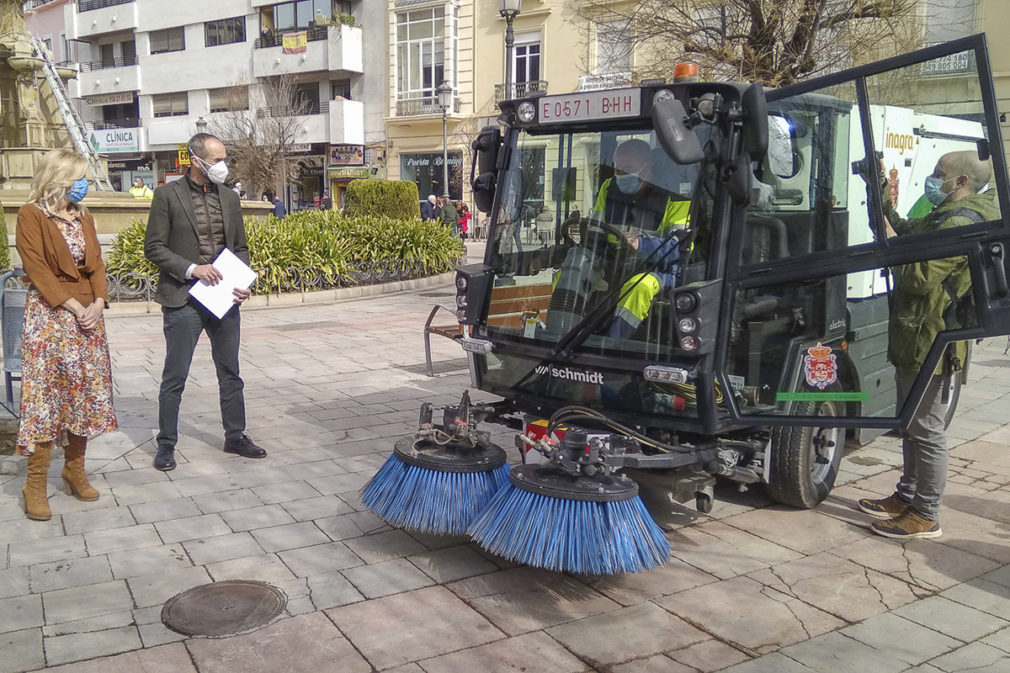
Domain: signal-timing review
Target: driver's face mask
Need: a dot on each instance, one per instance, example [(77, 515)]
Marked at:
[(628, 183)]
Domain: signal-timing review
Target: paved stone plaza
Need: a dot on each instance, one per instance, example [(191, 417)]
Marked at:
[(751, 588)]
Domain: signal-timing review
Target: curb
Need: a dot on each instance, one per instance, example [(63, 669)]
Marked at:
[(128, 308)]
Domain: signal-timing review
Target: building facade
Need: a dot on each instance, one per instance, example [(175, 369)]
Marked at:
[(150, 78)]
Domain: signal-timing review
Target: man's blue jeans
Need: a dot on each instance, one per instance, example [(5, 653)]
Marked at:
[(924, 448)]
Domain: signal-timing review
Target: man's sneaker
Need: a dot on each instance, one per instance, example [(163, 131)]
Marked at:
[(164, 460), (244, 447), (907, 526), (885, 508)]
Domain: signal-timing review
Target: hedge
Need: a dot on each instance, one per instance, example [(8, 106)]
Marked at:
[(322, 246), (397, 199)]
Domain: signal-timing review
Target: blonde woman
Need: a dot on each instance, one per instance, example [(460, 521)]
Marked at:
[(66, 378)]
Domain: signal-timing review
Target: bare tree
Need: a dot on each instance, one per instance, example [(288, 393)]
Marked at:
[(260, 133), (775, 42)]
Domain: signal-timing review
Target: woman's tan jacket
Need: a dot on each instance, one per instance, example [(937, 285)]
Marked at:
[(49, 265)]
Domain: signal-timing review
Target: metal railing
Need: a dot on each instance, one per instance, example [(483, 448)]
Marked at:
[(311, 108), (520, 90), (141, 286), (104, 64), (275, 38), (422, 106), (123, 123), (88, 5)]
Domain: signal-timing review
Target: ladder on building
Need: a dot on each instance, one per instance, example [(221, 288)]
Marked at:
[(75, 125)]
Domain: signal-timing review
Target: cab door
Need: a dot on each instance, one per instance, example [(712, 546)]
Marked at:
[(845, 290)]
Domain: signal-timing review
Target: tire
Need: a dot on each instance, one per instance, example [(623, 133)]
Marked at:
[(796, 477), (953, 395)]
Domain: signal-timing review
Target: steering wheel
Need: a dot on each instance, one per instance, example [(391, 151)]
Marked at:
[(614, 231)]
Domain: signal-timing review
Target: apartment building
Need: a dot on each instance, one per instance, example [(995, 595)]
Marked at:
[(462, 42), (153, 73)]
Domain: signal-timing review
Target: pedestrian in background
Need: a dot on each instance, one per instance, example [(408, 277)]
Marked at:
[(279, 209), (192, 221), (139, 190), (449, 216), (464, 219), (66, 375), (428, 208)]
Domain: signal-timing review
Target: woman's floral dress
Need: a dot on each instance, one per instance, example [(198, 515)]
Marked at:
[(66, 376)]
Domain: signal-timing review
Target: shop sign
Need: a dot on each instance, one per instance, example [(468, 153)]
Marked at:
[(299, 148), (183, 154), (111, 141), (347, 155), (129, 165), (110, 99), (350, 173), (428, 160)]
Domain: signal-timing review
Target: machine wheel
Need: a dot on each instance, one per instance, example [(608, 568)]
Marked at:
[(703, 502), (804, 460), (953, 395)]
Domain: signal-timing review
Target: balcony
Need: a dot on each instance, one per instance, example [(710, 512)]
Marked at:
[(520, 90), (118, 62), (89, 5), (99, 17), (422, 106), (329, 49), (347, 122), (103, 124), (102, 77), (339, 122)]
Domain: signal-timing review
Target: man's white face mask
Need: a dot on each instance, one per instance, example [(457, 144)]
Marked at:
[(216, 173)]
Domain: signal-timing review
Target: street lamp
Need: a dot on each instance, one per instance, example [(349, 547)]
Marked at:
[(444, 92), (201, 125), (508, 9)]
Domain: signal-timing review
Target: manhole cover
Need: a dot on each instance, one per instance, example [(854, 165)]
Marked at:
[(223, 608)]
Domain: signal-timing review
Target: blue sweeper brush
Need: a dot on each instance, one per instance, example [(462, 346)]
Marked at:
[(569, 515), (440, 479)]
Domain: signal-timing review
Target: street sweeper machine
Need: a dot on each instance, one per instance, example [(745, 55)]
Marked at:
[(695, 278)]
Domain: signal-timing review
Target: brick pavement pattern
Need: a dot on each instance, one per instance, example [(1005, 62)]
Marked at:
[(751, 588)]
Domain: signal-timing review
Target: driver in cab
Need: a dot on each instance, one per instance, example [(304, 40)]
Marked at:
[(647, 213)]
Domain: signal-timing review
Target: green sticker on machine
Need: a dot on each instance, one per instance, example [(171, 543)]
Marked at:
[(822, 397)]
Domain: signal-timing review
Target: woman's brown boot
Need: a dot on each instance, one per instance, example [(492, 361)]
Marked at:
[(36, 498), (74, 478)]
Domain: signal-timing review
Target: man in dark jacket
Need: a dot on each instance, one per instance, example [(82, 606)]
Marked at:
[(923, 295), (279, 209), (192, 220), (428, 208)]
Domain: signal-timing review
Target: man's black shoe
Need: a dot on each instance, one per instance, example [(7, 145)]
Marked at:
[(244, 447), (164, 460)]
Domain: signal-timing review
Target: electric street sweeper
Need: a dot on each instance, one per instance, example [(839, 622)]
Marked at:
[(694, 278)]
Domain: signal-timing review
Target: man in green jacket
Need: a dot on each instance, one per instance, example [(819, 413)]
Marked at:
[(924, 293), (448, 214)]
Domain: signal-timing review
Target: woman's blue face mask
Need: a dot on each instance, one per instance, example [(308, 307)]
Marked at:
[(78, 191)]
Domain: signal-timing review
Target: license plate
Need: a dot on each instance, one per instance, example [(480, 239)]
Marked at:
[(616, 104)]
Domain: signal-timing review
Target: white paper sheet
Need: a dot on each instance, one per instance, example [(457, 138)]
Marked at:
[(218, 299)]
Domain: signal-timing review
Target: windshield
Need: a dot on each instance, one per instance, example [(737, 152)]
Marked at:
[(593, 233)]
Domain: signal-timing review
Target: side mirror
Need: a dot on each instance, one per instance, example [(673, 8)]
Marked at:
[(755, 126), (483, 169), (679, 141)]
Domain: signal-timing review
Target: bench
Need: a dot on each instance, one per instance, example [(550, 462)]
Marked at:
[(509, 305)]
